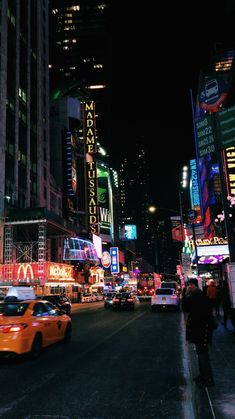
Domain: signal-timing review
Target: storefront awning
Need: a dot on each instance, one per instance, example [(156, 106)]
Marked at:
[(62, 284), (99, 284)]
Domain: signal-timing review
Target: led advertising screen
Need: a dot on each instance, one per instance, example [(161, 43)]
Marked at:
[(98, 244), (79, 249), (104, 196), (210, 188), (128, 232), (218, 249)]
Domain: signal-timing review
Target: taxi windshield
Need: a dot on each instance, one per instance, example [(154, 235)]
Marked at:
[(13, 309)]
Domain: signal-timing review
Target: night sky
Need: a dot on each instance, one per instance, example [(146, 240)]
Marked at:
[(157, 56)]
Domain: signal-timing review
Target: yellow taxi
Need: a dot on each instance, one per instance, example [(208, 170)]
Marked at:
[(29, 325)]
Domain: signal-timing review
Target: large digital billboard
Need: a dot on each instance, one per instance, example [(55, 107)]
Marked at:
[(128, 232), (210, 190), (79, 249), (104, 199)]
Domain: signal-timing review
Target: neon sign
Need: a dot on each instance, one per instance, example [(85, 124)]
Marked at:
[(90, 150)]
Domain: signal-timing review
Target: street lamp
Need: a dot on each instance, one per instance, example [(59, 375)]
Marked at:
[(153, 209)]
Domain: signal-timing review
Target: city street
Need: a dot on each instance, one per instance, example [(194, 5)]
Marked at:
[(118, 365)]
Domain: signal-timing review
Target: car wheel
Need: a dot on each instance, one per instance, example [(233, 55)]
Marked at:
[(36, 348), (68, 333)]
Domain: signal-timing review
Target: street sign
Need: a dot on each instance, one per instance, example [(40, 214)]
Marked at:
[(114, 260)]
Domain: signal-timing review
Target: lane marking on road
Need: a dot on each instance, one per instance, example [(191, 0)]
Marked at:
[(210, 403), (27, 392), (111, 335), (188, 409), (49, 377)]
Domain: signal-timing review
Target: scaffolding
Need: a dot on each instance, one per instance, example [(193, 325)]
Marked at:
[(8, 251), (40, 226), (41, 251)]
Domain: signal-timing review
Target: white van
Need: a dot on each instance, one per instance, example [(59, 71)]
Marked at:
[(20, 293)]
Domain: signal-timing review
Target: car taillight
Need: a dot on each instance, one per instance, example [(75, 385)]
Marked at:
[(173, 296), (115, 300), (130, 299), (12, 328)]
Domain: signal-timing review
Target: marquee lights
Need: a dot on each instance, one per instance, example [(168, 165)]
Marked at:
[(90, 149)]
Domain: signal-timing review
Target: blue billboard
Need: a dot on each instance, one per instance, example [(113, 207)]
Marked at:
[(128, 232)]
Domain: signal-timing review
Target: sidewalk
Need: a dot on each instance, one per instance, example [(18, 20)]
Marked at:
[(216, 402)]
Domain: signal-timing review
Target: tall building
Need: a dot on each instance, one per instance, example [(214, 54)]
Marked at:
[(31, 223), (24, 107), (135, 200), (80, 54)]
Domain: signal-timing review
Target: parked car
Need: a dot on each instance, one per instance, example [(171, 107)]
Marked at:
[(60, 301), (28, 326), (108, 299), (123, 300), (165, 298)]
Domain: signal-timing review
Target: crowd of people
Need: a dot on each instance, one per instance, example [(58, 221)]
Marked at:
[(203, 312)]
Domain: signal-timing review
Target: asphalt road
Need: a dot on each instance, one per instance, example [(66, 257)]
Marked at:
[(119, 365)]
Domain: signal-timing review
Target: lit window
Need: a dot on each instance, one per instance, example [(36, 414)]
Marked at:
[(102, 6), (75, 8)]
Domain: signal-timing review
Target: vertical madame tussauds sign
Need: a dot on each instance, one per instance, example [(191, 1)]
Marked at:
[(91, 173)]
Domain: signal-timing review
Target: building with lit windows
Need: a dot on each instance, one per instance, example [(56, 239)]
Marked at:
[(24, 106), (80, 54), (32, 226), (134, 203)]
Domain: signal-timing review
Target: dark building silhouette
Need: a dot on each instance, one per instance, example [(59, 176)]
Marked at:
[(80, 54), (153, 230)]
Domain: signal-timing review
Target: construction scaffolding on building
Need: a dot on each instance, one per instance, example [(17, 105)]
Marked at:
[(26, 237)]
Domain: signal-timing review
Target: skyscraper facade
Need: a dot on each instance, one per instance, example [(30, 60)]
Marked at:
[(24, 107), (80, 54)]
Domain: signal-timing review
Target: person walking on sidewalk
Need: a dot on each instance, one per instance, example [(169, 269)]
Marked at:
[(199, 329), (225, 303), (213, 295)]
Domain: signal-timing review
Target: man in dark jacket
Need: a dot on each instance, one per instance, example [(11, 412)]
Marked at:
[(199, 328)]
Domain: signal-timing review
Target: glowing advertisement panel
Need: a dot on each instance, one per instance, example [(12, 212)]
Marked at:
[(114, 268), (128, 232), (226, 120), (98, 244), (104, 199), (205, 136), (219, 249), (79, 249), (89, 133), (210, 186)]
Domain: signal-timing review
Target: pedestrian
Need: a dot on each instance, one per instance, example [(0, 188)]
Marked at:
[(212, 294), (225, 302), (199, 329)]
